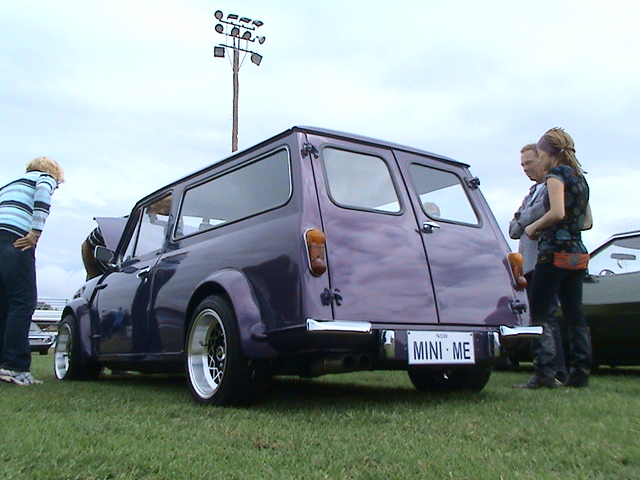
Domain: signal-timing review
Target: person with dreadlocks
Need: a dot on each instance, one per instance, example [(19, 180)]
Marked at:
[(561, 262)]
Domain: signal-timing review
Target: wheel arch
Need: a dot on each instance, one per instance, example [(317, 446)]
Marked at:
[(235, 287), (79, 309)]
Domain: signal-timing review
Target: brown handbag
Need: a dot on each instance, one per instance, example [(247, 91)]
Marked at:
[(571, 261)]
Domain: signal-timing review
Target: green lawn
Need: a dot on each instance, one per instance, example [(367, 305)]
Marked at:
[(371, 425)]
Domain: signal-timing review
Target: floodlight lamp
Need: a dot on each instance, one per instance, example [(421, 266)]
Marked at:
[(219, 28), (245, 20), (256, 58), (232, 16), (218, 52), (258, 23), (218, 15), (235, 31), (246, 35), (261, 40)]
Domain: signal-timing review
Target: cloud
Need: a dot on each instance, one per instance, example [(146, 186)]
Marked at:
[(128, 96), (57, 282)]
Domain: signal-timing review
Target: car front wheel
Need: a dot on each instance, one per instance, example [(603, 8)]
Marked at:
[(217, 372), (67, 360)]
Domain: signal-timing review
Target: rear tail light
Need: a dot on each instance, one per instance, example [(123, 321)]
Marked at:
[(515, 262), (315, 241)]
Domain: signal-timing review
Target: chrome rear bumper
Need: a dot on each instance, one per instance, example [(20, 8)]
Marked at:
[(337, 326), (520, 332)]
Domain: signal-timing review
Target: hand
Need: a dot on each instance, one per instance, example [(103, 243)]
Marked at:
[(531, 232), (27, 242)]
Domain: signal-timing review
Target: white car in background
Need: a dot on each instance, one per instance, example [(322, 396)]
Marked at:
[(611, 300), (39, 340), (43, 331)]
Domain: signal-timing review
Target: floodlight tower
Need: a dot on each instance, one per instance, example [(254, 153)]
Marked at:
[(237, 30)]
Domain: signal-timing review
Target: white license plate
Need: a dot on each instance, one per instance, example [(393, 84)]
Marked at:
[(433, 348)]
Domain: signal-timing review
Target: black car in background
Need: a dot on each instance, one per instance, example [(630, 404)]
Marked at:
[(611, 300)]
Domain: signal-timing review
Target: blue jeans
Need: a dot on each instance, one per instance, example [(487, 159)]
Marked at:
[(549, 281), (17, 303)]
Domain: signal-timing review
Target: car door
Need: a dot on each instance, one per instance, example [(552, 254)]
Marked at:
[(465, 251), (376, 261), (123, 299)]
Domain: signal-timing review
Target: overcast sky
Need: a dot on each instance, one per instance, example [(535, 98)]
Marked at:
[(127, 96)]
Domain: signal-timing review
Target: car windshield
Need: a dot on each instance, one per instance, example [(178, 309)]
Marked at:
[(620, 256)]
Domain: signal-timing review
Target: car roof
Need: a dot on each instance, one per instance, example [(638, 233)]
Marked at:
[(313, 131), (374, 141)]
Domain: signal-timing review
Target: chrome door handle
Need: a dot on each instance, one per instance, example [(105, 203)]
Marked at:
[(429, 227), (143, 272)]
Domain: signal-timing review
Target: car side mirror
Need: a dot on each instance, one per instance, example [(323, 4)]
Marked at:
[(104, 254)]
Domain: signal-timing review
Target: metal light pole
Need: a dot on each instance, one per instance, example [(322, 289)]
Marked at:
[(237, 30)]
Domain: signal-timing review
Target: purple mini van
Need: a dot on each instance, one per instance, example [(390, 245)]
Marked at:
[(313, 252)]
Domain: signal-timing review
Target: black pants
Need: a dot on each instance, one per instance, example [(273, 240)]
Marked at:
[(549, 281), (560, 362)]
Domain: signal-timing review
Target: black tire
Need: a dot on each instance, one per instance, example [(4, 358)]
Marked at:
[(217, 372), (67, 360), (457, 379)]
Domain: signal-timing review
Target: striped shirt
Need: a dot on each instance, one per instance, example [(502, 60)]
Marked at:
[(94, 239), (25, 203)]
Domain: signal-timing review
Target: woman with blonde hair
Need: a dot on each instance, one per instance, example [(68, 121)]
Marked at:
[(24, 207), (562, 261)]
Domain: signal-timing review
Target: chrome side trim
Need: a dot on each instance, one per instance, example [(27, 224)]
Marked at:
[(337, 326), (520, 331), (494, 342)]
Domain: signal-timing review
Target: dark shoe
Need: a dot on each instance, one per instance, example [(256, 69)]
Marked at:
[(536, 382), (577, 382), (561, 377)]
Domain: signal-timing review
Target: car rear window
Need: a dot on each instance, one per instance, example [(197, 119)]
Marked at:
[(442, 195), (247, 191), (360, 181)]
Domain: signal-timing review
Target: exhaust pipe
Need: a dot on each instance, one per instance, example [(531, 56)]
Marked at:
[(364, 362), (337, 363), (332, 364)]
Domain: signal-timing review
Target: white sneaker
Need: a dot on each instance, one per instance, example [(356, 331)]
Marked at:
[(19, 378)]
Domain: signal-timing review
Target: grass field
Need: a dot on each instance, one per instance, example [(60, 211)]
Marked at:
[(370, 425)]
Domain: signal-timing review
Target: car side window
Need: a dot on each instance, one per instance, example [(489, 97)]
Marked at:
[(620, 256), (442, 195), (150, 232), (360, 181), (241, 193)]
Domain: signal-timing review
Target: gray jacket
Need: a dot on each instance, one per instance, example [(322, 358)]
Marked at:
[(532, 209)]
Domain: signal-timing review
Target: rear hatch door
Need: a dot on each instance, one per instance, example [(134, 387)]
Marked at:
[(375, 254), (465, 249)]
